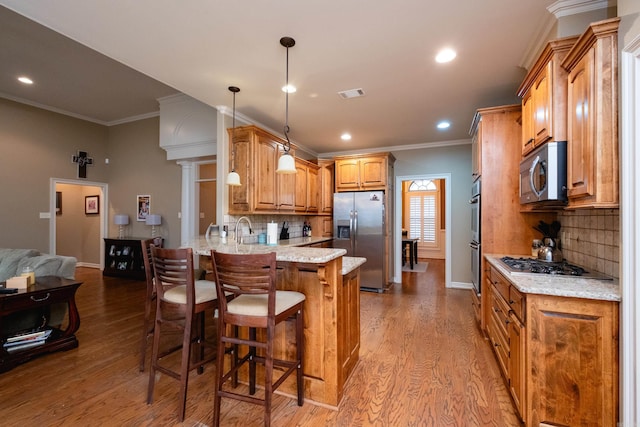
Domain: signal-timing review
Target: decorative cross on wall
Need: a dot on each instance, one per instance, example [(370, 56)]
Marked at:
[(82, 160)]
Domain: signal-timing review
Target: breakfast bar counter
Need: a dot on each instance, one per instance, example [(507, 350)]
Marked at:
[(331, 285)]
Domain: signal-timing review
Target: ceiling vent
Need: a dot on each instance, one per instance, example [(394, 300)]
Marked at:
[(351, 93)]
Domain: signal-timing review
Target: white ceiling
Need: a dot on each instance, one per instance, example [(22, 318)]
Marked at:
[(200, 47)]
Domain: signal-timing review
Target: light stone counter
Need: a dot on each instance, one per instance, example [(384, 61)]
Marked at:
[(350, 263), (563, 286), (292, 250)]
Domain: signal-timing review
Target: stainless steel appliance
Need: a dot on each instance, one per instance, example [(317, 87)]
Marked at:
[(475, 236), (525, 265), (543, 175), (358, 227)]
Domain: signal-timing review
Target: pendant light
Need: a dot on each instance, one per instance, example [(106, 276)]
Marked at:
[(233, 179), (286, 163)]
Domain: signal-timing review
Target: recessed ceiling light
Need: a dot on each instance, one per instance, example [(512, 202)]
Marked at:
[(444, 125), (289, 89), (25, 80), (345, 136), (445, 55)]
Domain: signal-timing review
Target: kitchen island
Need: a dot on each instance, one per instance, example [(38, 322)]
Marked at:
[(556, 341), (331, 284)]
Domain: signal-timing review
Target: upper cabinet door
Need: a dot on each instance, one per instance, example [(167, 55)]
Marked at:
[(580, 160), (543, 106), (265, 161), (347, 174), (373, 172), (528, 134), (544, 97), (592, 142)]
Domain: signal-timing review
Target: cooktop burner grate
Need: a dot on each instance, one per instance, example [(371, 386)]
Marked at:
[(533, 265)]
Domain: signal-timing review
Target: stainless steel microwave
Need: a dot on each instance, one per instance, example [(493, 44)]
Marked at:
[(543, 174)]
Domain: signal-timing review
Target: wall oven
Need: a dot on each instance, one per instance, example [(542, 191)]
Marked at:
[(474, 244)]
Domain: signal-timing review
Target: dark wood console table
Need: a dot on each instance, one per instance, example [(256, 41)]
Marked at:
[(47, 290), (413, 250)]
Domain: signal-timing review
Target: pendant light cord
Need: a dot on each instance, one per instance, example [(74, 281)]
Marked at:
[(233, 136), (234, 90), (286, 111), (287, 42)]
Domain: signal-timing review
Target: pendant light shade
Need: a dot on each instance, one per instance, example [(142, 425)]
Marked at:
[(233, 179), (286, 163)]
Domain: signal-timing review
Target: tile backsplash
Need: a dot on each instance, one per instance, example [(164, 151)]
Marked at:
[(259, 225), (591, 238)]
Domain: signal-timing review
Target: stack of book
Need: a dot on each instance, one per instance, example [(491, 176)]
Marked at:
[(26, 340)]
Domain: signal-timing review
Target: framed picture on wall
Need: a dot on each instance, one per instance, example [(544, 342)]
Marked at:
[(92, 205), (144, 206)]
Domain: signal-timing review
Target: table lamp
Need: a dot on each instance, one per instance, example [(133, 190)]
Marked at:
[(153, 220), (121, 220)]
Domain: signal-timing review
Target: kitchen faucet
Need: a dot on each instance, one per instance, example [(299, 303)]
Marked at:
[(238, 236)]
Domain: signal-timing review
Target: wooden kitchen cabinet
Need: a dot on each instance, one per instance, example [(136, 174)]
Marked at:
[(572, 364), (558, 355), (256, 160), (363, 173), (476, 147), (326, 186), (506, 332), (322, 225), (306, 187), (349, 329), (517, 353), (592, 142), (504, 227), (544, 97)]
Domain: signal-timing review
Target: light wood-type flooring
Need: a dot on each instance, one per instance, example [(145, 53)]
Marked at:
[(423, 362)]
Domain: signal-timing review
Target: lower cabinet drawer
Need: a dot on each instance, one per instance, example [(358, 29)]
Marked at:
[(500, 345)]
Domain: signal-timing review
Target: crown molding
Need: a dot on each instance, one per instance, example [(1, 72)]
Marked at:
[(573, 7)]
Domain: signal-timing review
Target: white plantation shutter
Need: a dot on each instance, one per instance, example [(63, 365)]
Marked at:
[(415, 217), (422, 218), (429, 219)]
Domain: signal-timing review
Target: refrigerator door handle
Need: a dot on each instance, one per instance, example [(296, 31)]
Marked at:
[(355, 222), (354, 235)]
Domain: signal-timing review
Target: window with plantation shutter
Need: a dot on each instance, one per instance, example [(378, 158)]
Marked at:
[(421, 212)]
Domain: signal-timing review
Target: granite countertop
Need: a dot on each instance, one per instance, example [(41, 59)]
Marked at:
[(564, 286), (291, 250), (350, 263)]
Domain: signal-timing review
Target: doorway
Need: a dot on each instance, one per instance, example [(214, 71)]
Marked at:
[(423, 213), (446, 181), (73, 230)]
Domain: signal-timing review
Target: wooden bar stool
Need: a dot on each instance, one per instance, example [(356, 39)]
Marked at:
[(256, 305), (180, 304), (150, 298)]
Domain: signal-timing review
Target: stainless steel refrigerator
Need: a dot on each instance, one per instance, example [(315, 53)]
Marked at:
[(358, 227)]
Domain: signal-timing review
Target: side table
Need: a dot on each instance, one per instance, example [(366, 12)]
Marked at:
[(48, 290)]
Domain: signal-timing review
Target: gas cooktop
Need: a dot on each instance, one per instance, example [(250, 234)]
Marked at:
[(536, 266)]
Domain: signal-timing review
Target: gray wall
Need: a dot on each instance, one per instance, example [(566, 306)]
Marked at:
[(137, 165), (36, 145), (454, 160)]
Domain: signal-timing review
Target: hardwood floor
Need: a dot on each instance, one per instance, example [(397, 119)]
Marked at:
[(423, 362)]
